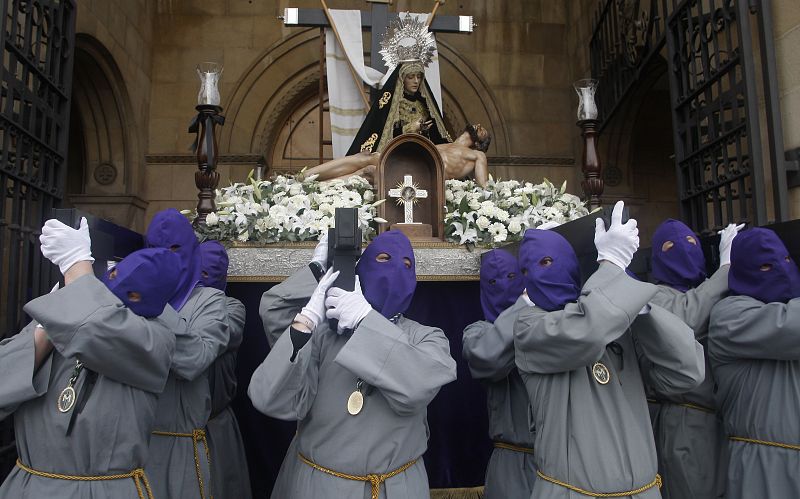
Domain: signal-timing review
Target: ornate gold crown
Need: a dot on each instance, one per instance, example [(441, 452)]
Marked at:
[(407, 40)]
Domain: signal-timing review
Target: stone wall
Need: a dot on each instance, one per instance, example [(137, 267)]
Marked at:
[(786, 19), (118, 36)]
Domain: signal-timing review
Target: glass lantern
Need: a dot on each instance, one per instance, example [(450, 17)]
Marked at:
[(586, 88), (209, 73)]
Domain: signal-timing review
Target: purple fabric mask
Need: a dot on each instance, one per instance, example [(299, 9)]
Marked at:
[(388, 286), (171, 230), (501, 282), (152, 273), (683, 265), (762, 268), (549, 286), (213, 264)]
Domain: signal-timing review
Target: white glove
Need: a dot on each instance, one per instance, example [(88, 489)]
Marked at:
[(65, 246), (549, 225), (347, 307), (321, 252), (725, 240), (527, 299), (619, 242), (315, 308)]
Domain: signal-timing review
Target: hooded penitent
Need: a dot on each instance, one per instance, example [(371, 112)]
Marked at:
[(213, 264), (762, 268), (678, 260), (145, 280), (550, 269), (501, 282), (388, 285), (171, 230)]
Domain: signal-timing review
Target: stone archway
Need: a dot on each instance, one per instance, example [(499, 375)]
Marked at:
[(637, 148), (103, 177), (284, 81)]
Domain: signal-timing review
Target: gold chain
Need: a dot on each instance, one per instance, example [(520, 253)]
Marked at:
[(137, 475), (765, 442), (515, 448), (655, 483), (196, 435), (375, 480)]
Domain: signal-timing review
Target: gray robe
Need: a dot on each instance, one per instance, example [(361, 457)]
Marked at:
[(755, 353), (185, 404), (229, 474), (690, 441), (489, 351), (592, 436), (131, 356), (403, 366)]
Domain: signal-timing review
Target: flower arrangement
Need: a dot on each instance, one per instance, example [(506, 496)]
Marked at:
[(289, 208), (503, 210)]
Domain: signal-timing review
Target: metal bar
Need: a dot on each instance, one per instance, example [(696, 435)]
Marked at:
[(321, 91), (751, 108), (780, 190), (11, 47), (315, 18), (678, 121), (380, 23)]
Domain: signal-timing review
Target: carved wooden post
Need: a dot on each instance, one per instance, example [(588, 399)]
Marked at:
[(592, 183), (206, 178)]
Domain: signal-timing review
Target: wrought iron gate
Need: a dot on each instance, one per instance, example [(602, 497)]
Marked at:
[(35, 87), (716, 52)]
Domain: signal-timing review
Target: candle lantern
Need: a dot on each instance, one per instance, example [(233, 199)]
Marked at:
[(205, 146), (592, 183)]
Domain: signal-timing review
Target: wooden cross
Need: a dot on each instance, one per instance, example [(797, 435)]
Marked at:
[(407, 194), (377, 21)]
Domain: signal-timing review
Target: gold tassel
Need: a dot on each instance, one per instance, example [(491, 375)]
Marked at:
[(468, 493)]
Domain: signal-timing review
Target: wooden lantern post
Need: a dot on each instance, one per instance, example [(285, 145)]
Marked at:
[(592, 183)]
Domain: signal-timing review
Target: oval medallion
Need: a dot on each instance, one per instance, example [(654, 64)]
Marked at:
[(601, 373), (66, 399), (355, 403)]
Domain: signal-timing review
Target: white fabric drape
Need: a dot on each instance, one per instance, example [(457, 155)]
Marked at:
[(347, 110)]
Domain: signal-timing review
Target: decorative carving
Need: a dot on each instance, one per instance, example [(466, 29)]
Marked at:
[(635, 21), (207, 178), (105, 174)]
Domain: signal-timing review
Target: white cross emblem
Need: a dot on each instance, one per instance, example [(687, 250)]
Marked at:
[(408, 195)]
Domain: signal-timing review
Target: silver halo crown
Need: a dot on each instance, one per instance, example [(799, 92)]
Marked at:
[(407, 40)]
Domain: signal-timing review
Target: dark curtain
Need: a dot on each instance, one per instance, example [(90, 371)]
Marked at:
[(459, 447)]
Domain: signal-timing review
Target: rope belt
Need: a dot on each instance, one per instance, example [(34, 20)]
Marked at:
[(696, 407), (655, 483), (688, 405), (137, 475), (375, 480), (196, 435), (515, 448), (765, 442)]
